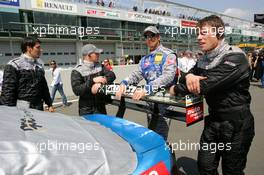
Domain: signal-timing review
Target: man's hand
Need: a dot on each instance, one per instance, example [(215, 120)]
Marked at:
[(193, 83), (120, 92), (172, 92), (100, 79), (95, 88), (139, 93), (51, 109)]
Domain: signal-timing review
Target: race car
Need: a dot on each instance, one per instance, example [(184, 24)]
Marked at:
[(37, 142)]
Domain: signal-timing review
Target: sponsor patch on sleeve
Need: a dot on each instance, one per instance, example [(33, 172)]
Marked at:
[(171, 60), (230, 63)]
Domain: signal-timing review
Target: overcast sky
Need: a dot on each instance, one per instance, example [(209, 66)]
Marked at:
[(244, 9)]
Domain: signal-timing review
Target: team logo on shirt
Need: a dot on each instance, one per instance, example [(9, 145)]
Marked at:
[(146, 62), (158, 58), (170, 61)]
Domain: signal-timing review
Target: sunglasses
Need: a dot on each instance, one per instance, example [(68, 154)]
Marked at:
[(150, 36)]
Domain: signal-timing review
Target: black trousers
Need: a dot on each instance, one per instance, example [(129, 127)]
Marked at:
[(38, 106), (98, 109), (235, 134)]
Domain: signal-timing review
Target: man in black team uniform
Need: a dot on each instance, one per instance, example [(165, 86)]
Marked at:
[(87, 79), (222, 76), (24, 78)]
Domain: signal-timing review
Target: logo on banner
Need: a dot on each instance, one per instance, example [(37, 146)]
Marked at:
[(51, 5), (91, 12), (103, 13), (113, 14), (194, 113), (140, 17), (188, 23), (10, 2), (167, 21)]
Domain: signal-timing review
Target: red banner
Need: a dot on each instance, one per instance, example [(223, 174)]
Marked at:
[(91, 12), (194, 113), (188, 23)]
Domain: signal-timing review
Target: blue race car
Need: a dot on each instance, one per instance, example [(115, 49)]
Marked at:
[(36, 142)]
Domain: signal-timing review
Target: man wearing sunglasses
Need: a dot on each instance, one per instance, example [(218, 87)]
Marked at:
[(158, 69)]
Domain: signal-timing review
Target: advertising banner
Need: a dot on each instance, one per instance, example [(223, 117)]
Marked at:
[(10, 2), (54, 6), (140, 17), (102, 13)]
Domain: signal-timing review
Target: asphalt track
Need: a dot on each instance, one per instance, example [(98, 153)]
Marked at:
[(180, 134)]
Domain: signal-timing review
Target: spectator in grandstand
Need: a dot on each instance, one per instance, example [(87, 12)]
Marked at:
[(107, 65), (186, 62), (262, 61), (158, 68), (222, 76), (198, 56), (87, 79), (157, 12), (110, 4), (193, 18), (24, 78), (258, 66), (130, 61), (102, 3), (135, 8), (56, 84), (1, 79), (122, 61), (180, 55), (251, 64), (113, 3), (150, 11)]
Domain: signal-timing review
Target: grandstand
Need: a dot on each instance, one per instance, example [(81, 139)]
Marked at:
[(114, 25)]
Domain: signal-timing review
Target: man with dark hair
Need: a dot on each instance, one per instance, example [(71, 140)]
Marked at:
[(56, 84), (217, 26), (24, 78), (87, 79), (222, 76)]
